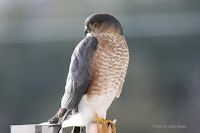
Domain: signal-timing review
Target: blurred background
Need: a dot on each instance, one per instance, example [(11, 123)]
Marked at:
[(37, 38)]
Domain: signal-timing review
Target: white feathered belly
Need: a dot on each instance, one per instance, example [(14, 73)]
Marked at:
[(98, 104)]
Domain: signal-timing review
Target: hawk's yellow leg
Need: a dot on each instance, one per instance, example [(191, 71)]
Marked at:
[(105, 122)]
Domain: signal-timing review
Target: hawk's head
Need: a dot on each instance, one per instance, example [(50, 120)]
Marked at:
[(101, 23)]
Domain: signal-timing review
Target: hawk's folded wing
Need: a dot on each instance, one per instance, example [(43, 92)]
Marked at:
[(79, 75)]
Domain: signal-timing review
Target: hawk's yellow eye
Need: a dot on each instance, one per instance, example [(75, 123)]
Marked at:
[(96, 24)]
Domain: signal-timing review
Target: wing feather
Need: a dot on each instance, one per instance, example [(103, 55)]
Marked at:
[(79, 76)]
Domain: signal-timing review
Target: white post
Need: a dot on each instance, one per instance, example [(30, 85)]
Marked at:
[(34, 128)]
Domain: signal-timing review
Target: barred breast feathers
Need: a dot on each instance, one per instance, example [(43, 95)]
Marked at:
[(109, 64)]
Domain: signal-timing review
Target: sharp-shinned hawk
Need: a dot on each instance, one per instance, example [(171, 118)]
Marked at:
[(96, 74)]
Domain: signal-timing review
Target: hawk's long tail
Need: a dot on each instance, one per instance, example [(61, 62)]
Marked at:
[(58, 118)]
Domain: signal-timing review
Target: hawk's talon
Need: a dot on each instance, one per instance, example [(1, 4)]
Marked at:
[(106, 123)]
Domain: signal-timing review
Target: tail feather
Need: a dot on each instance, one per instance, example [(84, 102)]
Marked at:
[(63, 119), (58, 117)]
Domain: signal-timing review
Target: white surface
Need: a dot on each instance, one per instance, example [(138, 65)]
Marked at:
[(32, 128), (22, 128)]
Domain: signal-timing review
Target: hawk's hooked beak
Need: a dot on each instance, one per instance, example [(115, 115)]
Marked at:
[(86, 30)]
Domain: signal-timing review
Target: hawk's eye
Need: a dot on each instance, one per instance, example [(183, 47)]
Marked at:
[(95, 24)]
